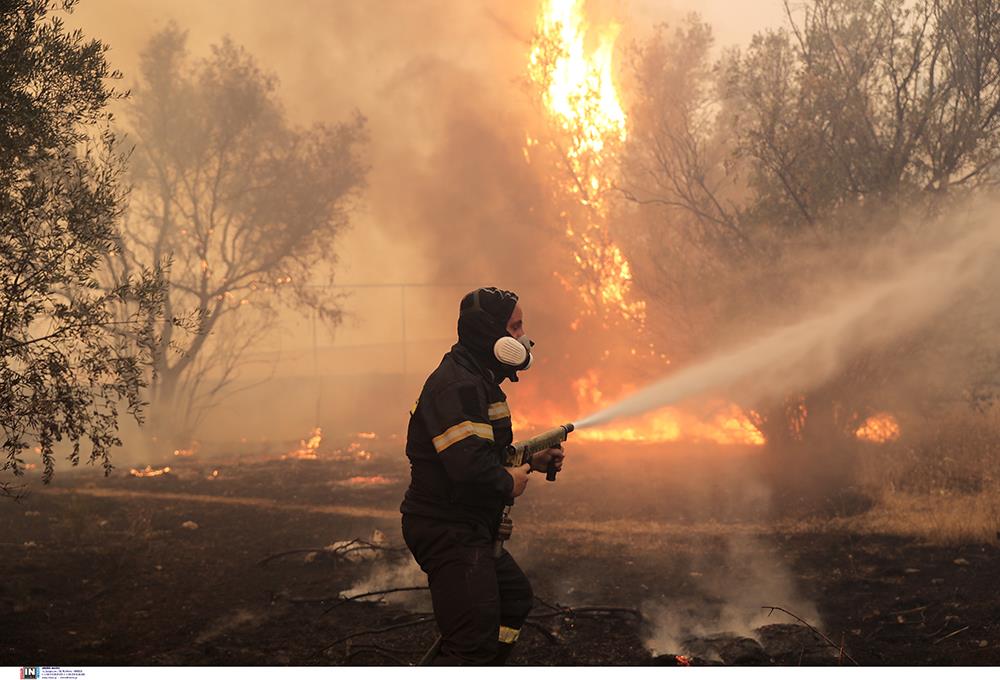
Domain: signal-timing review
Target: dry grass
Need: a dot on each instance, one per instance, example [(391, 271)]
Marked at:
[(941, 484), (941, 519)]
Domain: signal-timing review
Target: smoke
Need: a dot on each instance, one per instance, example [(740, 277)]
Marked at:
[(386, 575), (729, 590), (805, 354), (451, 203)]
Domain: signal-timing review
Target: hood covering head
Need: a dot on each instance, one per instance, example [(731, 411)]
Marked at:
[(482, 320)]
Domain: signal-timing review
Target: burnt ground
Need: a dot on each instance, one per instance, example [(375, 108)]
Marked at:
[(175, 570)]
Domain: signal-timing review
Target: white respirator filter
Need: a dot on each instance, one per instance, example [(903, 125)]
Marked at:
[(510, 351)]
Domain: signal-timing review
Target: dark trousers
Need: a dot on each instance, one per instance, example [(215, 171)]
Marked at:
[(480, 602)]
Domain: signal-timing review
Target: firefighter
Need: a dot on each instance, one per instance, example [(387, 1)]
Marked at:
[(458, 431)]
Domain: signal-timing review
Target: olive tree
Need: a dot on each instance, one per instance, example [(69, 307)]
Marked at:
[(245, 207), (72, 353)]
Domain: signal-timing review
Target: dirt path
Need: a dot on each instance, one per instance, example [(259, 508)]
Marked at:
[(261, 503), (615, 530)]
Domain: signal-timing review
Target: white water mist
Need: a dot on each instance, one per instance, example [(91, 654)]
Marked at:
[(805, 354)]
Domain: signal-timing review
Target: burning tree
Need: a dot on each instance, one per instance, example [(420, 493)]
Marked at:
[(587, 130), (579, 148), (812, 145), (245, 207), (71, 354)]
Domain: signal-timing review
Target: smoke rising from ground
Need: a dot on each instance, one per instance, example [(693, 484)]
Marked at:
[(804, 354), (386, 575), (733, 586)]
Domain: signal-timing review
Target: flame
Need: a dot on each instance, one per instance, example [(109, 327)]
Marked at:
[(578, 94), (362, 481), (188, 452), (307, 447), (571, 65), (357, 450), (879, 428), (729, 425), (723, 424), (579, 90), (149, 471)]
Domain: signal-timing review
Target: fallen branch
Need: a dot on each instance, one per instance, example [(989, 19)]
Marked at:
[(573, 611), (940, 630), (15, 492), (816, 632), (358, 545), (547, 604), (355, 545), (952, 633), (373, 631), (909, 611), (369, 594)]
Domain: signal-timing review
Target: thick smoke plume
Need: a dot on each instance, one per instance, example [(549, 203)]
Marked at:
[(805, 354)]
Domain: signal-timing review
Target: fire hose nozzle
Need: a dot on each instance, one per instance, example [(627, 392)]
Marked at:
[(550, 471), (520, 453)]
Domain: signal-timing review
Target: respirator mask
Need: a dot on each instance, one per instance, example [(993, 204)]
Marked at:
[(515, 352)]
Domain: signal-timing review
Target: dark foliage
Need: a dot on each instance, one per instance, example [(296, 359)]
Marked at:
[(71, 353)]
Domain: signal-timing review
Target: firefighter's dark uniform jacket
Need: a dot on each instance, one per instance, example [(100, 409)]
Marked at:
[(459, 430)]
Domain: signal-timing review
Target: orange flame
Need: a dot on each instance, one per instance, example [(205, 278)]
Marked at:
[(879, 428), (571, 66), (729, 425), (578, 88), (188, 452), (307, 447), (578, 94), (355, 451), (149, 471), (363, 481), (723, 424)]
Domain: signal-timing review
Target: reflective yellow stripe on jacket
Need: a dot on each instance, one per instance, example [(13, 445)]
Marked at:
[(498, 410), (457, 433)]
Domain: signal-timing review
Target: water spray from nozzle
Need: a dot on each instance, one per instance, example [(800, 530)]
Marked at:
[(802, 355)]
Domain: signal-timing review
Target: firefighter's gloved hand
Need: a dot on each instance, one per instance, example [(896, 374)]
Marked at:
[(540, 461), (520, 477)]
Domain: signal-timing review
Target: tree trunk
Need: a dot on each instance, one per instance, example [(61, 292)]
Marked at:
[(164, 426)]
